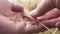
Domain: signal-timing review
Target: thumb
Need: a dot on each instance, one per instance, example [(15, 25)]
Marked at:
[(43, 7), (17, 8)]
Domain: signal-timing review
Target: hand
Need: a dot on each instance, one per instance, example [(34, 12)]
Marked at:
[(45, 6), (47, 12), (13, 22), (7, 26)]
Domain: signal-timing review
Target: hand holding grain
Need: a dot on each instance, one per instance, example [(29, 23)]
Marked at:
[(48, 13)]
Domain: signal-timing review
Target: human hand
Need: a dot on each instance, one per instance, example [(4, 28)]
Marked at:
[(13, 22), (47, 12), (45, 6), (7, 9)]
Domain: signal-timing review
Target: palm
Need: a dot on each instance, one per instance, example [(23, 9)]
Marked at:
[(12, 22)]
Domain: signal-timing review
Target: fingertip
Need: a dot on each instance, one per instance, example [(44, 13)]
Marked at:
[(57, 25), (49, 23), (41, 18), (34, 13), (17, 8)]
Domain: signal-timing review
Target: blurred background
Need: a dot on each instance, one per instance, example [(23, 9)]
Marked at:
[(30, 5)]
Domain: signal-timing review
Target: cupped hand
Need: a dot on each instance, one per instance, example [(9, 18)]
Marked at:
[(7, 10), (13, 22)]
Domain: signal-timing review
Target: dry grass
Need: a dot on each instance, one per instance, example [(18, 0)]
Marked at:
[(54, 31)]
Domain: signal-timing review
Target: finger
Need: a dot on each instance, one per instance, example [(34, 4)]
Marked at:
[(17, 8), (46, 25), (51, 23), (50, 15), (30, 20), (43, 7), (58, 23), (40, 27)]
